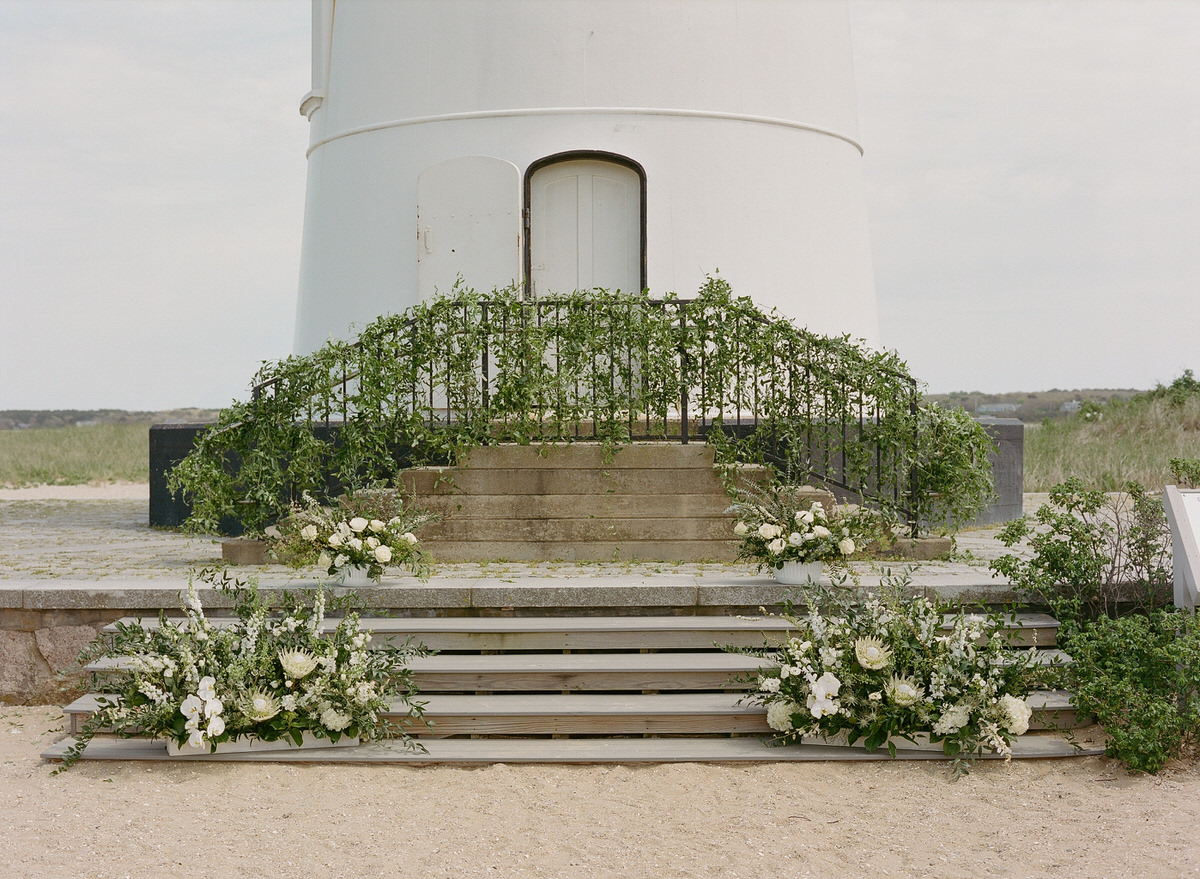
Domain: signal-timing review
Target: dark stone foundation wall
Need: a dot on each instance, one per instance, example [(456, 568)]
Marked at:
[(170, 444)]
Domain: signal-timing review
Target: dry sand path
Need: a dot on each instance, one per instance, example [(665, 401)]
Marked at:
[(1084, 818)]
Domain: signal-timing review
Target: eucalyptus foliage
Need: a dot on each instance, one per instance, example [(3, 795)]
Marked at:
[(467, 370)]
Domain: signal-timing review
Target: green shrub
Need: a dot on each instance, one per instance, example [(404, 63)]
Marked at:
[(1091, 553), (1186, 472), (1139, 676)]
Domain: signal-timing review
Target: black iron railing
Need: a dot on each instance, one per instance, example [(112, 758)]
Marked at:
[(620, 368)]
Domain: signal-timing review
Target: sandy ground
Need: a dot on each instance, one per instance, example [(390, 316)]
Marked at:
[(1085, 817), (105, 491)]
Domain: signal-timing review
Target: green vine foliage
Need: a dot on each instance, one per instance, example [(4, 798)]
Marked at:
[(465, 370)]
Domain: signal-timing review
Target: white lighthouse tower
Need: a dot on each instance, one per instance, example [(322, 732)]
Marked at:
[(571, 144)]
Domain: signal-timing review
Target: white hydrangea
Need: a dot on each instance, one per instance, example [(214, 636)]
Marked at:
[(952, 720), (334, 720), (1016, 714), (779, 715)]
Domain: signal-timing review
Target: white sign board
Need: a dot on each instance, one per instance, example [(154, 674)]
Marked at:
[(1183, 514)]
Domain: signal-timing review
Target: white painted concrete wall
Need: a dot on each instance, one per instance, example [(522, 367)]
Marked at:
[(741, 112)]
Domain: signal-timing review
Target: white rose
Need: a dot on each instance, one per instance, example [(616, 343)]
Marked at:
[(309, 532), (336, 539), (355, 544), (775, 547), (822, 531), (377, 525), (767, 531), (409, 538), (383, 554), (740, 529), (795, 539), (372, 542), (358, 524), (846, 546)]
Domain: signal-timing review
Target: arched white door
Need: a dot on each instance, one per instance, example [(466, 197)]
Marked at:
[(585, 227)]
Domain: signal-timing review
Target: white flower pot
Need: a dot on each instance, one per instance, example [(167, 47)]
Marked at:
[(242, 746), (798, 573), (355, 576)]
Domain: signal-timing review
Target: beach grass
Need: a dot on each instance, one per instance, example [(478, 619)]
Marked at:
[(77, 455), (1110, 445)]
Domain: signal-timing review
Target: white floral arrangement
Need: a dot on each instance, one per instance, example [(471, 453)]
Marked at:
[(372, 532), (890, 667), (778, 526), (270, 674)]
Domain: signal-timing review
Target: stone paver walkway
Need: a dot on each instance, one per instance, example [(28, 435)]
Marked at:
[(107, 544)]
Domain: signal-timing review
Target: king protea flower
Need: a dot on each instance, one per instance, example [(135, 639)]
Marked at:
[(871, 653), (297, 663), (260, 706), (904, 691)]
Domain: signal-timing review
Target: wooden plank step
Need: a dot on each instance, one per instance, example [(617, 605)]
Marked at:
[(562, 633), (554, 672), (517, 672), (557, 751), (596, 714), (591, 714), (605, 633)]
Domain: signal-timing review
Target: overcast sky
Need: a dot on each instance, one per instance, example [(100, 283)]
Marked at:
[(1032, 171)]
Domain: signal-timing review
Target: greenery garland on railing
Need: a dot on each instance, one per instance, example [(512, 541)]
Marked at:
[(466, 370)]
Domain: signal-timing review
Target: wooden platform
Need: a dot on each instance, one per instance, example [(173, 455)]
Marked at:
[(593, 689)]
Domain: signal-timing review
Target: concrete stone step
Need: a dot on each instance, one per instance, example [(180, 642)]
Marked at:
[(586, 529), (592, 551), (569, 506), (423, 481), (592, 455)]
